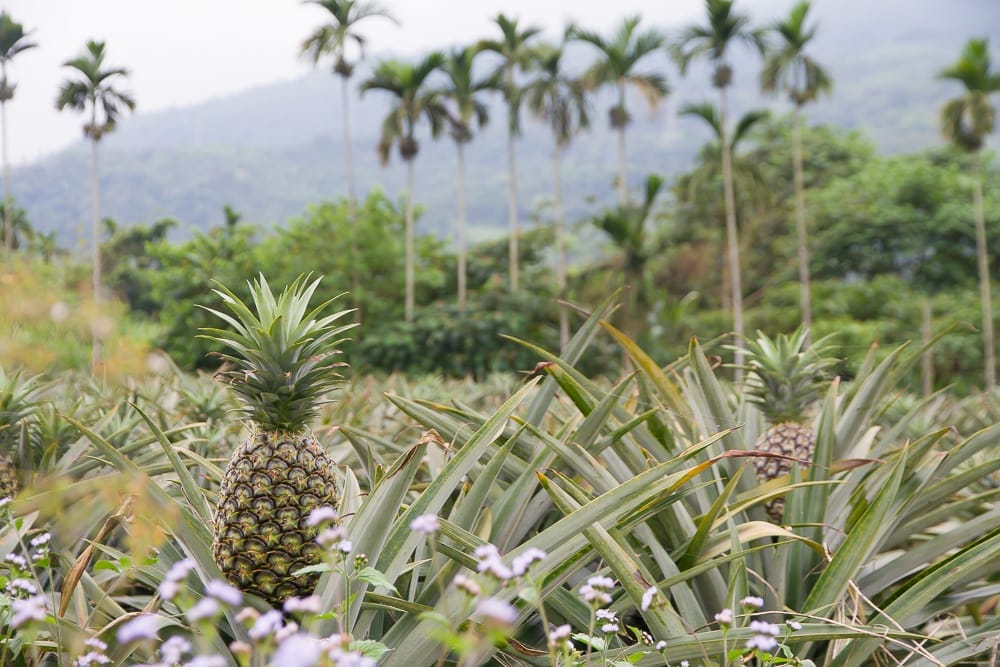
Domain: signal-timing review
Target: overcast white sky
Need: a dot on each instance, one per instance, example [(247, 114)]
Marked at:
[(181, 52)]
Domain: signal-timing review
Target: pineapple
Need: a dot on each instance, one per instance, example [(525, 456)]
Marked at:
[(19, 401), (784, 378), (8, 478), (280, 362)]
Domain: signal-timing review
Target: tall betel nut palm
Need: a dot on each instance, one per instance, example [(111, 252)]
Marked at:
[(414, 99), (713, 40), (282, 359), (788, 67), (785, 378), (515, 50), (92, 89), (967, 121), (332, 39)]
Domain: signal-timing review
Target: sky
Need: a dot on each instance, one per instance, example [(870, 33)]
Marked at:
[(182, 52)]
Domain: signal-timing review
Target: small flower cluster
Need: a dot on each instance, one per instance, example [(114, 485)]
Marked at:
[(492, 613), (597, 590), (490, 562), (330, 537), (495, 613), (170, 585), (40, 546), (34, 608), (269, 633), (95, 654), (725, 617), (610, 621), (26, 603), (559, 638), (21, 575), (218, 593), (293, 647), (766, 637), (426, 524), (766, 634)]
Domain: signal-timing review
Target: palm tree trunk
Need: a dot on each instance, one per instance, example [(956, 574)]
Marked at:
[(800, 225), (927, 360), (95, 249), (410, 260), (561, 269), (989, 358), (513, 257), (462, 225), (732, 237), (8, 212), (622, 162), (352, 200), (512, 214)]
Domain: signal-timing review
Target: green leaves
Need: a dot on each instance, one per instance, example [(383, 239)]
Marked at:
[(284, 358)]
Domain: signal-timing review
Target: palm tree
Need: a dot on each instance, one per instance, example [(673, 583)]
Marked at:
[(514, 48), (789, 68), (966, 121), (93, 89), (408, 83), (626, 226), (332, 39), (462, 89), (619, 56), (560, 101), (749, 183), (12, 42), (724, 28)]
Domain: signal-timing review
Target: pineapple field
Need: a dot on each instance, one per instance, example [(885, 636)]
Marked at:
[(291, 511)]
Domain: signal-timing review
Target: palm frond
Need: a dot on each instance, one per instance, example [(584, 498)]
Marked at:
[(967, 120), (746, 123), (12, 38), (788, 67), (705, 111)]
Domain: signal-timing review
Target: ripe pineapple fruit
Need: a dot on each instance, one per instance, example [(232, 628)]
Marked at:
[(280, 362), (784, 378), (8, 478)]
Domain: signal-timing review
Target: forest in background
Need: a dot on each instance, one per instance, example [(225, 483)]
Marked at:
[(892, 241)]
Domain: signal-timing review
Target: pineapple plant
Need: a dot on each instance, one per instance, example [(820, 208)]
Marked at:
[(19, 401), (280, 362), (784, 379)]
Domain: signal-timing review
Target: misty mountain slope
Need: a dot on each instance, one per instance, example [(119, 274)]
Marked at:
[(271, 151)]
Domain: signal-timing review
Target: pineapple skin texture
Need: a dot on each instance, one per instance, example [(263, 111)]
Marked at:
[(274, 480), (8, 478), (789, 439)]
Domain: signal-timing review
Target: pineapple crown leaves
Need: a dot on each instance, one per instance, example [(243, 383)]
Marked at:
[(20, 398), (282, 357), (785, 375)]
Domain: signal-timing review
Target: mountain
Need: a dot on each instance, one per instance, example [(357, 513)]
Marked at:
[(271, 151)]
